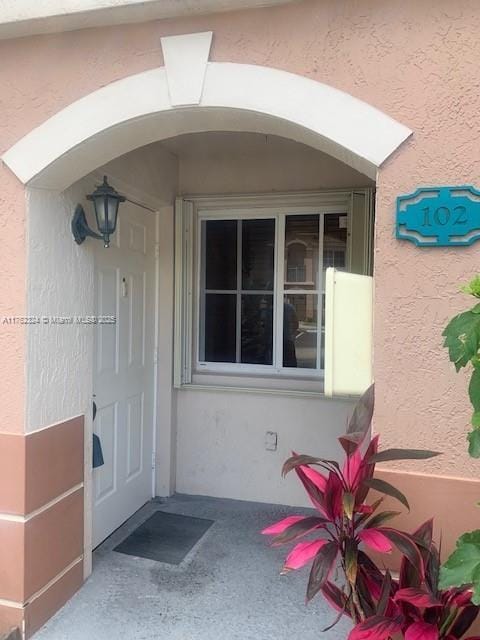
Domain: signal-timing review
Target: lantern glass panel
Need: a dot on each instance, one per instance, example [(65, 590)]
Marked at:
[(112, 209), (99, 203)]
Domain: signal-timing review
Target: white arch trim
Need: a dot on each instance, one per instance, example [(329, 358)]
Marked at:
[(137, 110)]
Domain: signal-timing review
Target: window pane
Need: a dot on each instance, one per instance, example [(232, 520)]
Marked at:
[(220, 327), (335, 241), (258, 251), (257, 329), (301, 252), (300, 330), (220, 254)]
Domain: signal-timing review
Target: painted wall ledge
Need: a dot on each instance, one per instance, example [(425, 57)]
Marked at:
[(30, 17)]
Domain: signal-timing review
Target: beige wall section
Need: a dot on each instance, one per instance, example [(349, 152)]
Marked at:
[(166, 436), (232, 162), (60, 285), (150, 172), (452, 501), (60, 355), (221, 442), (12, 299)]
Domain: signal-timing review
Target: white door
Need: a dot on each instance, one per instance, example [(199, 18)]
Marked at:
[(123, 370)]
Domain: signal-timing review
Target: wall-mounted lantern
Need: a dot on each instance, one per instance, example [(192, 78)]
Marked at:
[(106, 202)]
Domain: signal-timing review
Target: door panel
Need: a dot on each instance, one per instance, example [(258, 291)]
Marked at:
[(135, 435), (107, 334), (124, 367), (106, 429)]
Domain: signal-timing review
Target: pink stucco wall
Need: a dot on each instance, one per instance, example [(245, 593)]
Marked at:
[(416, 61)]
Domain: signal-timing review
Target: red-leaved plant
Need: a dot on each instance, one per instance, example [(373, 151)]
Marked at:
[(380, 607)]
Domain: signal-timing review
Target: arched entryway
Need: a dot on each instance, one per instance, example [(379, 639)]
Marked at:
[(191, 94)]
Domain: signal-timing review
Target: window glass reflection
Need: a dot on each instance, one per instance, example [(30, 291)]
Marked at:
[(301, 252), (258, 250), (257, 329), (335, 241), (300, 331), (220, 259), (219, 327)]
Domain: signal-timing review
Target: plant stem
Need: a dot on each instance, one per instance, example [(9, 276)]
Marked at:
[(351, 606), (358, 606)]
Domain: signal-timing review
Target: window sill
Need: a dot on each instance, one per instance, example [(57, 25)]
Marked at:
[(319, 395), (261, 385)]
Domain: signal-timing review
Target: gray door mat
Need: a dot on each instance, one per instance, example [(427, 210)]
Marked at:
[(165, 537)]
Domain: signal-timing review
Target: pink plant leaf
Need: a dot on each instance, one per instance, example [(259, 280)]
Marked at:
[(316, 496), (279, 527), (318, 479), (333, 497), (421, 631), (460, 596), (302, 553), (366, 471), (464, 621), (419, 597), (367, 509), (299, 529), (335, 598), (376, 540), (376, 628), (351, 469)]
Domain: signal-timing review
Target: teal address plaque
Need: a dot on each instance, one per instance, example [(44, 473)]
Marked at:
[(439, 216)]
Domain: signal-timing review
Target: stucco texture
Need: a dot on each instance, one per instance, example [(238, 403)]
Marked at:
[(417, 62)]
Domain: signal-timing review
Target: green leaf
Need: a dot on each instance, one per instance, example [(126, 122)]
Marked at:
[(387, 489), (473, 287), (463, 566), (385, 594), (351, 561), (474, 443), (363, 412), (381, 518), (476, 419), (474, 389), (407, 546), (476, 585), (301, 460), (321, 568), (348, 504), (462, 338), (402, 454)]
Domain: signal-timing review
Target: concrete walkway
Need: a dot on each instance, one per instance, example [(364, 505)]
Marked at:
[(227, 588)]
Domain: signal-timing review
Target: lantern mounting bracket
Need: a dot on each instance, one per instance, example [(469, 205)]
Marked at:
[(80, 228)]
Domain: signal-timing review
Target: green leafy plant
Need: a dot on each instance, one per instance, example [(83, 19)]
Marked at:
[(463, 566), (462, 338)]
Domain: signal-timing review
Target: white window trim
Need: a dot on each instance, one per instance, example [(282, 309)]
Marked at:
[(190, 211)]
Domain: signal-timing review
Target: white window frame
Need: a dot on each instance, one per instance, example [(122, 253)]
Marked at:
[(190, 212)]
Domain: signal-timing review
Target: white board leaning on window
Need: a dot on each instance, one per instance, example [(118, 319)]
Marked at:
[(251, 285)]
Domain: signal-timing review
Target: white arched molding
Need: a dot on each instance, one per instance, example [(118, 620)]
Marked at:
[(138, 110)]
